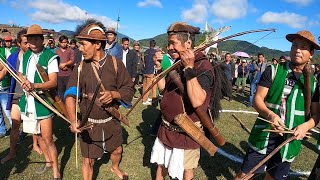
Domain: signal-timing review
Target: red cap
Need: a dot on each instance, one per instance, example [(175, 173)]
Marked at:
[(8, 38)]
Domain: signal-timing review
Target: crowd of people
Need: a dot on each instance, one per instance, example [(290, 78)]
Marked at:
[(242, 72), (94, 74)]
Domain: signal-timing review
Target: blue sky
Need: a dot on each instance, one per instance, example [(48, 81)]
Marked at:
[(141, 19)]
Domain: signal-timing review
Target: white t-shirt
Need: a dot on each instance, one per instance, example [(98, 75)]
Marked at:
[(7, 52), (32, 68), (124, 57)]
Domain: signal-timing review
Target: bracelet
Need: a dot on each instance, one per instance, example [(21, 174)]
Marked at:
[(269, 115), (190, 73)]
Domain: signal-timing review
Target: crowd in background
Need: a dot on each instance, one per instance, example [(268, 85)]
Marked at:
[(244, 72)]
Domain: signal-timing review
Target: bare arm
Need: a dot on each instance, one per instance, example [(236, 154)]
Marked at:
[(3, 73), (71, 109), (157, 58), (260, 106), (196, 94), (52, 83)]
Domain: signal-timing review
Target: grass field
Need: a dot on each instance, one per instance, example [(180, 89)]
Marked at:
[(137, 149)]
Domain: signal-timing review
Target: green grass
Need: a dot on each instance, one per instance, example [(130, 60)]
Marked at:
[(137, 149)]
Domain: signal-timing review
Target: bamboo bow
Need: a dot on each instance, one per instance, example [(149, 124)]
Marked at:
[(196, 50), (33, 93)]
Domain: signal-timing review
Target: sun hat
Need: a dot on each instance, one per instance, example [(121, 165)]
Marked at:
[(111, 30), (34, 30), (304, 34), (94, 32)]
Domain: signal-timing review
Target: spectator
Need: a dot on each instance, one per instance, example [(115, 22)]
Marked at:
[(66, 63), (77, 53), (113, 47), (274, 61), (236, 65), (8, 49), (140, 63), (228, 68), (130, 59), (259, 68), (282, 59), (148, 74), (243, 72), (50, 44)]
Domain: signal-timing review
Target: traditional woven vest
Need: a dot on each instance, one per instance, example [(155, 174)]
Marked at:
[(5, 83), (45, 58), (295, 114)]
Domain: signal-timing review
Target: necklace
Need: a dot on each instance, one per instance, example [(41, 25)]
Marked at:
[(105, 60)]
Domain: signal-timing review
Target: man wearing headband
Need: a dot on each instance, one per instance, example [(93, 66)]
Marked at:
[(174, 151), (106, 134)]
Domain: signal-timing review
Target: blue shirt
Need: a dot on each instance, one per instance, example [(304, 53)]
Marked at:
[(148, 61), (227, 71), (115, 50)]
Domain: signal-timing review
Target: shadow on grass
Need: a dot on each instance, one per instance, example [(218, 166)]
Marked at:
[(148, 128), (98, 163), (20, 163), (310, 146), (218, 165), (106, 156), (64, 142), (242, 97)]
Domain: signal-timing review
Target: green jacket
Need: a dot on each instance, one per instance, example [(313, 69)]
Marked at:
[(5, 83), (46, 57), (295, 114)]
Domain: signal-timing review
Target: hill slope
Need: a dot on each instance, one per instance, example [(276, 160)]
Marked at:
[(229, 46)]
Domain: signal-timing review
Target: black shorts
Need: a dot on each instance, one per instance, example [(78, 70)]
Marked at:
[(275, 167)]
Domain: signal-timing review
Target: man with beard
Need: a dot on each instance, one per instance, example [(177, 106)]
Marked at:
[(106, 134), (280, 99), (174, 151)]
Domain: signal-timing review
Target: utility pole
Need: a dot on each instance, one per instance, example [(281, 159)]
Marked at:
[(118, 20)]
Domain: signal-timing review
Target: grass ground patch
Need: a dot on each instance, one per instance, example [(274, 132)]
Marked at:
[(137, 149)]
